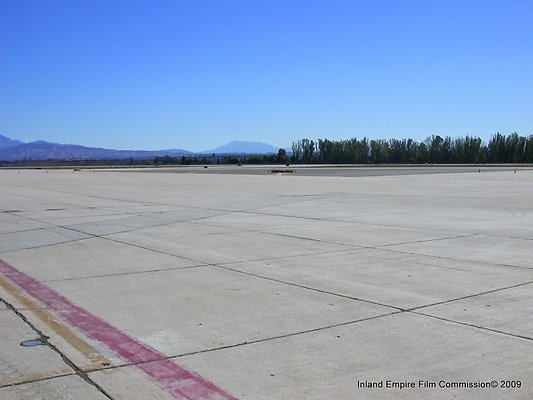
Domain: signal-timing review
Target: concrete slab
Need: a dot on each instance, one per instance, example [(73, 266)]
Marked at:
[(20, 225), (129, 383), (110, 226), (64, 388), (404, 347), (354, 234), (507, 310), (218, 244), (186, 214), (25, 364), (430, 202), (209, 307), (38, 238), (8, 216), (68, 216), (15, 202), (397, 280), (489, 222), (91, 258), (515, 252)]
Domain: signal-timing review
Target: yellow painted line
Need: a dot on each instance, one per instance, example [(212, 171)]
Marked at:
[(96, 359)]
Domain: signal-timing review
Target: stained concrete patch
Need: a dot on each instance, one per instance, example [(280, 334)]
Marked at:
[(209, 307), (388, 278), (24, 364), (507, 310), (64, 388), (92, 257), (403, 347), (37, 238)]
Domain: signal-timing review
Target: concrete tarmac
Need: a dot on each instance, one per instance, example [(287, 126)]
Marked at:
[(338, 283)]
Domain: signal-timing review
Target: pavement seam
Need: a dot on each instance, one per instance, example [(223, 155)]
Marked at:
[(24, 231), (106, 235), (125, 273), (472, 325), (205, 263), (251, 342), (45, 245), (309, 288), (337, 251), (48, 378), (365, 223), (82, 374), (354, 246), (451, 258), (51, 224), (470, 296), (380, 246)]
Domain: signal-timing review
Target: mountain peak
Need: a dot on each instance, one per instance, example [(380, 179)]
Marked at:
[(6, 142), (240, 147)]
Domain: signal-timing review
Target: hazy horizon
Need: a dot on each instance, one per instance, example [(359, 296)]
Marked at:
[(160, 75)]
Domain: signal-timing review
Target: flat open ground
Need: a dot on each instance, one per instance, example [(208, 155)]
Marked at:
[(207, 285)]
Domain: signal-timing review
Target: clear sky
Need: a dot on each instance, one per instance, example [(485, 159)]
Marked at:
[(196, 74)]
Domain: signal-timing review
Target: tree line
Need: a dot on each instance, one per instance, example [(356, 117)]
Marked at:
[(435, 149)]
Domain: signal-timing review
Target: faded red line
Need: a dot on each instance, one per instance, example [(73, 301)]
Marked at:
[(172, 377)]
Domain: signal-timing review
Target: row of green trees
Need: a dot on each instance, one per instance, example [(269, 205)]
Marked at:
[(500, 148)]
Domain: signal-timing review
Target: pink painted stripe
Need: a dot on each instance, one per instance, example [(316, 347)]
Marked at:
[(172, 377)]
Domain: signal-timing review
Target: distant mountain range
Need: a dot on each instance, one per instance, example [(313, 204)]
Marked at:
[(12, 150), (6, 142)]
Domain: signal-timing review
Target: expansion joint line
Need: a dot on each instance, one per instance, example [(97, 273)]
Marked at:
[(399, 310), (42, 337), (473, 326), (309, 288), (470, 296)]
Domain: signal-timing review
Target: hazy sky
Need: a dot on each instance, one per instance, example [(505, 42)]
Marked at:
[(197, 74)]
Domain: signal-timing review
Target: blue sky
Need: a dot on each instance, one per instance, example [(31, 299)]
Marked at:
[(197, 74)]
